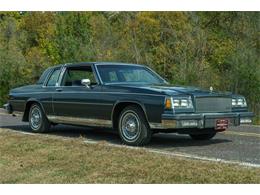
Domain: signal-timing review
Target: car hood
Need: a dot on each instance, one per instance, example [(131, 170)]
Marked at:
[(181, 90), (25, 88)]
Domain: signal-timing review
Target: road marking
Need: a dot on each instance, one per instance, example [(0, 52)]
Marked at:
[(3, 113), (179, 154), (242, 133), (26, 133), (191, 156), (176, 154)]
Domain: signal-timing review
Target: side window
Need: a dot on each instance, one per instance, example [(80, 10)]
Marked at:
[(73, 76), (113, 76), (53, 78), (109, 75)]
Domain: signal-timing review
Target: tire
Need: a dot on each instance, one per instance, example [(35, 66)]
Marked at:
[(206, 136), (133, 127), (37, 120)]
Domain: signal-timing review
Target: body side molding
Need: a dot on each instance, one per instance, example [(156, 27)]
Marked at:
[(80, 121)]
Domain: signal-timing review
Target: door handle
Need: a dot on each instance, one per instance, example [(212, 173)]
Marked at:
[(59, 89)]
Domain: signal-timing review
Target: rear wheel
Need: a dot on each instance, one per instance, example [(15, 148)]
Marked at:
[(206, 136), (37, 119), (133, 127)]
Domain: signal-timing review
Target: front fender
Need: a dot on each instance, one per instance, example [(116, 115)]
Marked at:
[(125, 102)]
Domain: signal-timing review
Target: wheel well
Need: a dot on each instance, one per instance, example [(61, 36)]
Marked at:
[(118, 109), (27, 110)]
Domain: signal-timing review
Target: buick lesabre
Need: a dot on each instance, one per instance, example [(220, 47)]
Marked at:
[(128, 98)]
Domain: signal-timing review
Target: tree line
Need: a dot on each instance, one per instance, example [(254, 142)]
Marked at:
[(219, 49)]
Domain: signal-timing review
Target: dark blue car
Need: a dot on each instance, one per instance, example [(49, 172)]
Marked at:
[(131, 99)]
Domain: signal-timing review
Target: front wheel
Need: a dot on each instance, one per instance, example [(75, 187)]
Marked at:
[(133, 127), (37, 119), (206, 136)]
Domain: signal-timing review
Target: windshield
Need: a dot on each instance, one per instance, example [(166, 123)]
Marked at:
[(43, 76), (128, 74)]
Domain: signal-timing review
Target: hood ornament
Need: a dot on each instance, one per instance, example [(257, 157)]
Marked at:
[(211, 89)]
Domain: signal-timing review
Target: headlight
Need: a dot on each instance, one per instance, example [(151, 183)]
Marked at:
[(239, 102), (182, 102)]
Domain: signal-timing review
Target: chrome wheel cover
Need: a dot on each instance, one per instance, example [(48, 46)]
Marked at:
[(35, 118), (130, 126)]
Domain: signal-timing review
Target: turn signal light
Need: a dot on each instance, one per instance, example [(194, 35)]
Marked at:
[(168, 103)]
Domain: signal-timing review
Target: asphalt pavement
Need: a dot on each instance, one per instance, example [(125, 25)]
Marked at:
[(239, 145)]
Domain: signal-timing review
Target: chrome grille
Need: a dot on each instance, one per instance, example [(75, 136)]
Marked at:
[(213, 104)]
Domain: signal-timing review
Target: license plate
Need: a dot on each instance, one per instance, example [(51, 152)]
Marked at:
[(221, 124)]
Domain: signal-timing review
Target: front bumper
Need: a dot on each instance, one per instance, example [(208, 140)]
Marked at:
[(204, 120), (8, 108)]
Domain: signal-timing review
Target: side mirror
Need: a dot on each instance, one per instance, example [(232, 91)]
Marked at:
[(85, 82)]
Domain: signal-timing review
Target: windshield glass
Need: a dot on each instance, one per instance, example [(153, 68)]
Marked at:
[(43, 76), (128, 74)]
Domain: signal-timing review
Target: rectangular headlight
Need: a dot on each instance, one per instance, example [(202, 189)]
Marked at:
[(239, 102), (234, 102), (245, 121), (182, 102), (176, 103)]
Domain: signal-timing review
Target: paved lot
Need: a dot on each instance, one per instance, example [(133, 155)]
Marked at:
[(237, 145)]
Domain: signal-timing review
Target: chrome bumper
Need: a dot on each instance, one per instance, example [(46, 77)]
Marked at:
[(201, 120)]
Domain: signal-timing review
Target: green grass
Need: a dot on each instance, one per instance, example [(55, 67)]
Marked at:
[(256, 120), (41, 159)]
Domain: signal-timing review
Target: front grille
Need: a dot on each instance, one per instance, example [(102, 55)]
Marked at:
[(213, 104)]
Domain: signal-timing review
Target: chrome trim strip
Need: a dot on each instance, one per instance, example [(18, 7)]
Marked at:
[(96, 92), (62, 86), (17, 100), (61, 75), (97, 75), (156, 125), (169, 124), (85, 103), (117, 63), (48, 102), (80, 121)]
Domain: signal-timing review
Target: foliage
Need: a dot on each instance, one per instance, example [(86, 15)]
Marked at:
[(219, 49)]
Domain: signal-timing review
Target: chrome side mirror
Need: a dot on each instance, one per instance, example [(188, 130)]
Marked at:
[(85, 82)]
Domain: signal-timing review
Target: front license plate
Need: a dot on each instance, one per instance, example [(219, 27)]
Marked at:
[(221, 124)]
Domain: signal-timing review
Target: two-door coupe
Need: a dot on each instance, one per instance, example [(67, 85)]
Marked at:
[(131, 99)]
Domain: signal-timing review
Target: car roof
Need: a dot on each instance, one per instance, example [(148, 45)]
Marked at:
[(92, 63)]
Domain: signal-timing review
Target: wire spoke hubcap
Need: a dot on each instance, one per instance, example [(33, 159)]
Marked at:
[(130, 126), (36, 118)]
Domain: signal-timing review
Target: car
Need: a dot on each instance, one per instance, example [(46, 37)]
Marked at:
[(131, 99)]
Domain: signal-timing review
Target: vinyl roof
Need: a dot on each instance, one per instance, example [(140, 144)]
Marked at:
[(96, 63)]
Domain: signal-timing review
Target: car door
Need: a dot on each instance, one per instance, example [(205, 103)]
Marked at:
[(78, 104), (48, 89)]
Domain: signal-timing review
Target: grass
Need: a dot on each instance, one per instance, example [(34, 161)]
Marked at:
[(256, 120), (42, 159)]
